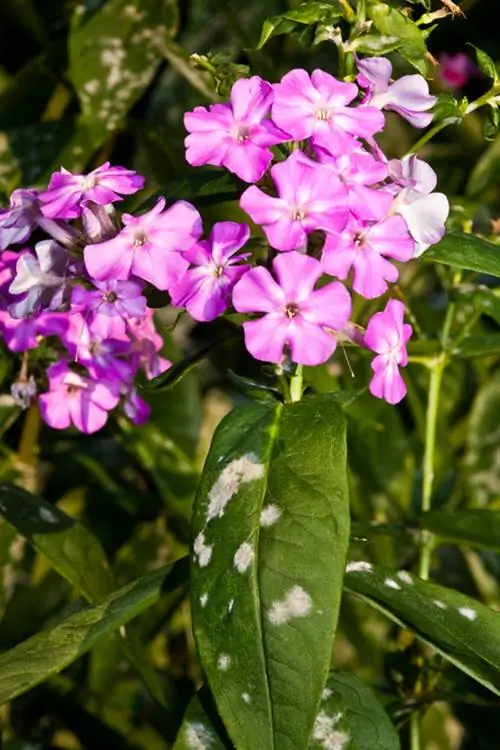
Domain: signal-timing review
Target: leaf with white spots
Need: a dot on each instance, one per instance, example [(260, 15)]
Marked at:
[(351, 717), (271, 528), (198, 731), (460, 628)]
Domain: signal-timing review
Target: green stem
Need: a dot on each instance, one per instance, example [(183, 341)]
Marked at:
[(427, 136), (361, 11), (297, 384), (415, 731)]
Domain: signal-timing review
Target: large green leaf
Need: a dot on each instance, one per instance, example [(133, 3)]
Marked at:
[(271, 527), (201, 188), (466, 251), (408, 38), (198, 731), (478, 345), (352, 717), (460, 628), (482, 469), (306, 14), (50, 651), (470, 526)]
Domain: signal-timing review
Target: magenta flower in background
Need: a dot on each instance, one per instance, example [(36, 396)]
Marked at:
[(106, 184), (236, 135), (408, 96), (310, 197), (21, 334), (19, 220), (296, 315), (102, 357), (149, 246), (8, 261), (425, 212), (75, 399), (136, 409), (205, 289), (108, 305), (316, 107), (366, 248), (387, 335), (455, 71)]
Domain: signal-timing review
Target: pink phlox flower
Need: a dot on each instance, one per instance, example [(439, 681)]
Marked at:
[(316, 107), (387, 334), (21, 334), (75, 399), (236, 135), (361, 173), (296, 315), (136, 409), (365, 249), (98, 222), (205, 289), (408, 96), (42, 279), (424, 211), (19, 220), (146, 343), (106, 184), (149, 246), (455, 71), (108, 305), (310, 197), (108, 358)]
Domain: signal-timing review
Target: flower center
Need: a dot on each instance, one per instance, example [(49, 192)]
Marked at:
[(94, 347), (140, 239), (110, 297), (291, 310), (323, 114), (241, 133), (298, 213), (72, 390), (358, 239), (89, 182), (218, 271)]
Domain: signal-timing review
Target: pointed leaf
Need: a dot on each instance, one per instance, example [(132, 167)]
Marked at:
[(198, 731), (478, 345), (483, 433), (470, 526), (460, 628), (466, 251), (391, 23), (271, 528), (306, 14), (352, 717)]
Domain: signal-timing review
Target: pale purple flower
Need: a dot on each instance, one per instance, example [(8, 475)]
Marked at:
[(98, 222), (107, 306), (40, 278), (310, 197), (149, 246), (236, 135), (365, 248), (24, 391), (21, 334), (408, 96), (316, 107), (455, 71), (205, 289), (19, 220), (296, 316), (106, 184), (136, 409), (8, 261), (146, 343), (387, 335), (104, 358), (75, 399), (425, 212)]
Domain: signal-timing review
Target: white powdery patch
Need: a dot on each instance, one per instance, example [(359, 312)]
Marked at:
[(405, 577), (245, 698), (359, 566), (392, 584), (202, 550), (327, 693), (439, 604), (243, 557), (224, 662), (270, 514), (297, 603), (230, 606), (204, 600), (47, 515), (325, 733), (240, 471), (468, 613), (197, 737)]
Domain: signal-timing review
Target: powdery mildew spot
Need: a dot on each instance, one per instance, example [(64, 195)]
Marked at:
[(47, 515), (243, 557), (197, 737), (230, 606), (325, 733), (439, 604), (204, 600), (468, 613), (224, 662), (392, 584), (359, 566), (297, 603), (405, 577), (245, 698), (327, 693), (270, 514), (240, 471), (202, 550)]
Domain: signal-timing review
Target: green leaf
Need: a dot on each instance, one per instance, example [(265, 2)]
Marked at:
[(485, 172), (50, 651), (351, 716), (72, 550), (176, 373), (478, 345), (205, 188), (462, 629), (466, 251), (486, 64), (481, 456), (390, 22), (306, 14), (450, 109), (470, 526), (271, 527), (197, 730)]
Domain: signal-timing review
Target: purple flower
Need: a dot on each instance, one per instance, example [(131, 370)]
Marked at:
[(136, 409), (456, 70), (21, 334), (295, 314), (408, 96), (310, 197), (205, 290), (146, 343), (66, 191), (19, 220), (236, 135), (108, 305), (365, 249), (98, 222), (149, 246), (316, 107), (41, 279), (425, 212), (8, 261), (100, 356), (387, 335), (75, 399)]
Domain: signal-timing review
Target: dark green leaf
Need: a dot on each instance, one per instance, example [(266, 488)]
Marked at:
[(460, 628), (390, 22), (470, 526), (351, 716), (466, 251), (450, 109), (486, 64), (198, 731), (479, 345), (271, 528), (203, 188), (481, 456), (176, 373), (305, 14), (485, 172)]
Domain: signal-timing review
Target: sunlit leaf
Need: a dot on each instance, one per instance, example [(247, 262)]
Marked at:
[(466, 251), (469, 526)]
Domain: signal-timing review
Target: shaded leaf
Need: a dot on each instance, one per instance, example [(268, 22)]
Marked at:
[(305, 14), (198, 730), (470, 526), (466, 251), (478, 345), (177, 372), (204, 188), (482, 456), (390, 22)]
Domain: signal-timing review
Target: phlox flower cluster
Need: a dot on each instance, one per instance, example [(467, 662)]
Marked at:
[(75, 274)]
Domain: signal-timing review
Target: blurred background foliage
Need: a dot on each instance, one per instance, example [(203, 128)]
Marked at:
[(85, 82)]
